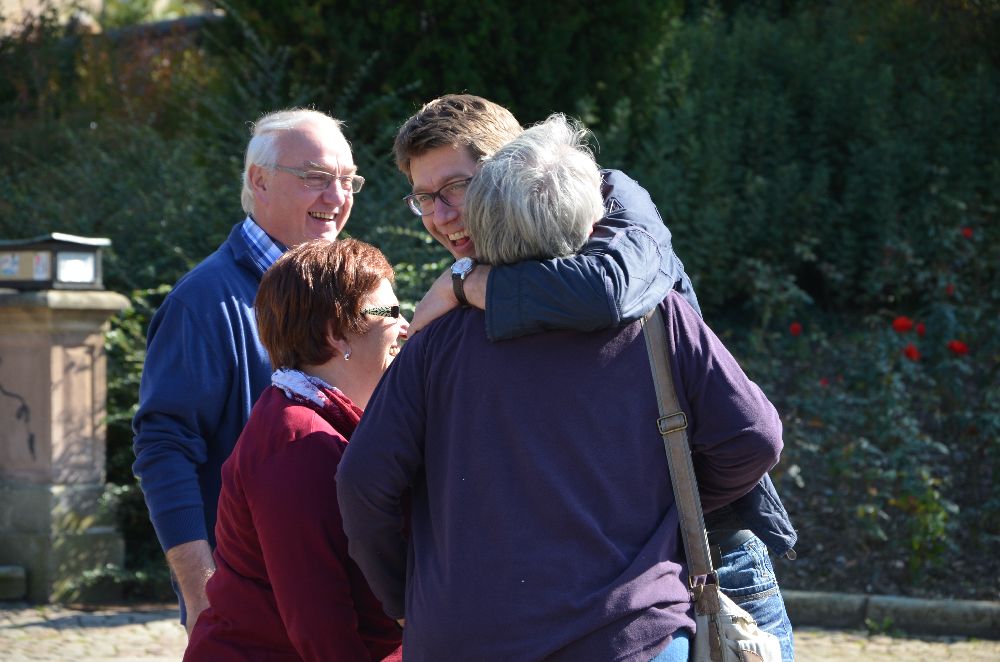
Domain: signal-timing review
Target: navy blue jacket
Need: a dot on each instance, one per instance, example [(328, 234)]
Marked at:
[(628, 267), (625, 269)]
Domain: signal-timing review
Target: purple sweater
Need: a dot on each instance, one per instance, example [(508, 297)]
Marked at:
[(543, 523)]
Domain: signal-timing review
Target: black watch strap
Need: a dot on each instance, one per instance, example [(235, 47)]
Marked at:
[(458, 284), (462, 268)]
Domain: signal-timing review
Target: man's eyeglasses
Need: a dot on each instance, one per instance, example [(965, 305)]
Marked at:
[(320, 181), (382, 311), (452, 194)]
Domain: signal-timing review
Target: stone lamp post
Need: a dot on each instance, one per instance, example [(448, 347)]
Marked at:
[(53, 398)]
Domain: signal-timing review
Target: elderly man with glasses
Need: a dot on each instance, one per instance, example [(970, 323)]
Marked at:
[(205, 365)]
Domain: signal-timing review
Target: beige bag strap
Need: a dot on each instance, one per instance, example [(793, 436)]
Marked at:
[(672, 424)]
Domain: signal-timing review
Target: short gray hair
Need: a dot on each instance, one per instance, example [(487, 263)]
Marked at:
[(537, 197), (262, 149)]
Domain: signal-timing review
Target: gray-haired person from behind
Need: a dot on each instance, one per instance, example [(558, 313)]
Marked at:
[(542, 519), (537, 197)]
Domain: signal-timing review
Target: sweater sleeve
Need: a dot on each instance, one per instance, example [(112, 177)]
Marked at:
[(184, 386), (385, 453), (626, 268), (293, 499), (734, 430)]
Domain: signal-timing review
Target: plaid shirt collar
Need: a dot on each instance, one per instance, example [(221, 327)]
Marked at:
[(264, 250)]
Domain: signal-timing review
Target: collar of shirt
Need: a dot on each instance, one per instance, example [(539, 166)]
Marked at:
[(264, 250)]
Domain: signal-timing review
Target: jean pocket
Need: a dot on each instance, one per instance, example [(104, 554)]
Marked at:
[(746, 572)]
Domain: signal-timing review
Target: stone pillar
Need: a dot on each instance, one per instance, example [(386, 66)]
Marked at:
[(53, 398)]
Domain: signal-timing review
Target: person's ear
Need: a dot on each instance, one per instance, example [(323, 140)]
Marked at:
[(341, 345), (259, 179)]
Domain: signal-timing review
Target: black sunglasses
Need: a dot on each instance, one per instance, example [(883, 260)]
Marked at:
[(382, 311)]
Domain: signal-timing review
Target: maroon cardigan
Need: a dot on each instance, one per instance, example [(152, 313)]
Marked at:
[(284, 587)]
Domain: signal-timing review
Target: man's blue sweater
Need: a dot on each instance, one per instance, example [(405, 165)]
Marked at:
[(205, 367)]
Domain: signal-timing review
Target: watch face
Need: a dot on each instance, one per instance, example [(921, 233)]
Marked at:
[(462, 266)]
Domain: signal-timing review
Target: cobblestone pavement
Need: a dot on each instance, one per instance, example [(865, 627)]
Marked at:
[(151, 633)]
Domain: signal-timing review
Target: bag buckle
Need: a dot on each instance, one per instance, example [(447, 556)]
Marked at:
[(699, 582), (672, 423)]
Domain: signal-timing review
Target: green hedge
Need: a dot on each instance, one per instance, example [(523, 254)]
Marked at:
[(824, 170), (565, 56), (816, 149), (829, 171)]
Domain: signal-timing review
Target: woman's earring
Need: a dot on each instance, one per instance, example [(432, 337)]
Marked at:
[(347, 356)]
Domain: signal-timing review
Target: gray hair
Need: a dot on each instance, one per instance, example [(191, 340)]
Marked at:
[(536, 198), (262, 149)]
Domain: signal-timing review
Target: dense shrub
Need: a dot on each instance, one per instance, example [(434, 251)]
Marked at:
[(831, 171), (590, 56), (813, 147), (830, 175), (891, 425), (157, 170)]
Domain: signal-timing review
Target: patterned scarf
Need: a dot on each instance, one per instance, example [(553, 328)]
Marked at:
[(336, 407)]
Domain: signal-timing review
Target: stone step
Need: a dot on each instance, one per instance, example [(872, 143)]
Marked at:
[(13, 582)]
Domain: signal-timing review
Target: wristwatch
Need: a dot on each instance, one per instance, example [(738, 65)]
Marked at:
[(462, 268)]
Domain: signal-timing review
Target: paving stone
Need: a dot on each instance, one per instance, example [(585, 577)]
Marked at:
[(123, 634), (117, 620)]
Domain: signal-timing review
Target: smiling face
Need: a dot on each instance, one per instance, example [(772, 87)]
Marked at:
[(373, 350), (284, 207), (431, 171)]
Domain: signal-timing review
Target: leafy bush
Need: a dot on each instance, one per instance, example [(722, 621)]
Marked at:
[(822, 180), (166, 193), (813, 146), (828, 173), (890, 433), (509, 51)]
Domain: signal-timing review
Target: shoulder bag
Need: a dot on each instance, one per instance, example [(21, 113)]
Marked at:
[(724, 631)]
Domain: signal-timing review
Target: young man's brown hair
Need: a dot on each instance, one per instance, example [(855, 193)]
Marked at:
[(465, 120)]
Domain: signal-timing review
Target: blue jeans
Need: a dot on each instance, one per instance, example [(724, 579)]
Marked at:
[(678, 649), (747, 578)]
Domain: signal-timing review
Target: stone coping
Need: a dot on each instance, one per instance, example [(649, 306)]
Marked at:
[(970, 618), (101, 300)]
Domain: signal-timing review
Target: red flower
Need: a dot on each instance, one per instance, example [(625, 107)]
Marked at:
[(824, 382), (921, 329), (949, 289), (795, 329), (902, 324), (967, 232), (911, 352), (958, 347)]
